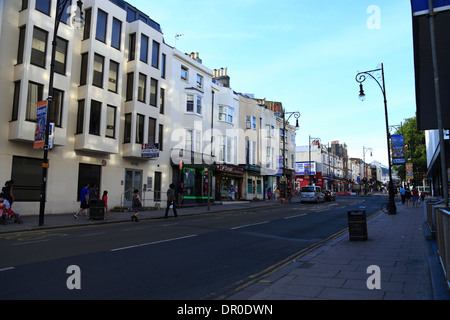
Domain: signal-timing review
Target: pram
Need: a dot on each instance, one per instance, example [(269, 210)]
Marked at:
[(7, 214)]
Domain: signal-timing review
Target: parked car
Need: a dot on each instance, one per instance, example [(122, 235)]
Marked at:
[(329, 195), (311, 194)]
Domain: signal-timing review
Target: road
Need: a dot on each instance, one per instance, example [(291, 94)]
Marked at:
[(208, 256)]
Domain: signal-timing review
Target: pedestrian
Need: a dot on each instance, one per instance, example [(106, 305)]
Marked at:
[(84, 201), (105, 199), (402, 194), (7, 191), (233, 193), (277, 194), (415, 197), (407, 197), (269, 193), (171, 201), (137, 205)]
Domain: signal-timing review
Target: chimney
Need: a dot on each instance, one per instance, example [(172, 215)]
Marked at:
[(221, 75)]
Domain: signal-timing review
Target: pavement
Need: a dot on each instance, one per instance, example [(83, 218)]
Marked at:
[(397, 261)]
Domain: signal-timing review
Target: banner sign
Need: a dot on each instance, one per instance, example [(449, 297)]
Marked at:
[(41, 123), (303, 168), (409, 171), (420, 7), (398, 149), (150, 150)]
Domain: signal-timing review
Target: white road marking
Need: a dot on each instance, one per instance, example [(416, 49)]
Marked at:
[(152, 243), (249, 225)]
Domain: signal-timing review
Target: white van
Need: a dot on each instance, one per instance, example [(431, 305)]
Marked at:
[(311, 194)]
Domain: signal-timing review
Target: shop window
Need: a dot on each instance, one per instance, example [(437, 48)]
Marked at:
[(88, 173)]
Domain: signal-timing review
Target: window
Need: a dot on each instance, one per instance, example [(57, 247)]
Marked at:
[(270, 129), (161, 137), (144, 48), (163, 66), (199, 104), (130, 79), (226, 114), (102, 20), (43, 6), (80, 117), (24, 5), (199, 81), (65, 13), (35, 91), (57, 107), (140, 129), (190, 103), (87, 24), (26, 173), (127, 128), (151, 130), (162, 100), (98, 70), (142, 87), (184, 73), (39, 47), (116, 34), (250, 122), (21, 44), (113, 76), (155, 54), (60, 56), (94, 119), (153, 92), (194, 103), (110, 121), (84, 67), (132, 47), (157, 186), (15, 109)]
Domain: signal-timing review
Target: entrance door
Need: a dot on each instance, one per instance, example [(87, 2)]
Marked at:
[(133, 180)]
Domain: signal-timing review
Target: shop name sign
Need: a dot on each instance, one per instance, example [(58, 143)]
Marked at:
[(229, 169), (150, 150)]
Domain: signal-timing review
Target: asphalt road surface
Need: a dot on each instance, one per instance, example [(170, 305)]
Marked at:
[(208, 256)]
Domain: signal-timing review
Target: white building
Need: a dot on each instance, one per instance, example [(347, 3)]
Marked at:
[(129, 111)]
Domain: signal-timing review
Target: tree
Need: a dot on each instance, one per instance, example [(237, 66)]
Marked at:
[(415, 149)]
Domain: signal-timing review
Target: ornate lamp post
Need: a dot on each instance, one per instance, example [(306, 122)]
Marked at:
[(360, 78), (296, 115), (78, 23), (364, 161)]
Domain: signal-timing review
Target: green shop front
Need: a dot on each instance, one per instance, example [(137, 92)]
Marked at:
[(196, 180)]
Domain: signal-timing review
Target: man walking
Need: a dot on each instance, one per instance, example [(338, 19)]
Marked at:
[(171, 200), (402, 194)]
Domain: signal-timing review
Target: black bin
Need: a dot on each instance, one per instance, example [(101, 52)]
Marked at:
[(357, 225), (97, 209)]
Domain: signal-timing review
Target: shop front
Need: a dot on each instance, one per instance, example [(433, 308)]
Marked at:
[(196, 181), (229, 180)]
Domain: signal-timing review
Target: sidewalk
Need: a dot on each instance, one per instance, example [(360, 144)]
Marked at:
[(338, 270)]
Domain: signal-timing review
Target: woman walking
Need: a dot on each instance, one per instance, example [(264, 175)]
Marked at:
[(137, 205)]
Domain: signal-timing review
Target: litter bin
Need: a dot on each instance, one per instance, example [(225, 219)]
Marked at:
[(357, 225), (97, 209)]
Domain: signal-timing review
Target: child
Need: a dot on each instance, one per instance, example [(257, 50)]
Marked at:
[(105, 198)]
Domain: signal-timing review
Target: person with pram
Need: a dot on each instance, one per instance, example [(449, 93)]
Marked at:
[(6, 212)]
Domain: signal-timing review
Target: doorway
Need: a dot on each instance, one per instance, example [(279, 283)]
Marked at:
[(133, 180)]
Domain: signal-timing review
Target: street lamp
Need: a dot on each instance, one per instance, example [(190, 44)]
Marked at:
[(309, 152), (296, 115), (77, 23), (360, 78)]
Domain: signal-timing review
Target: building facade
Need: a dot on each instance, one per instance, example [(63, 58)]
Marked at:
[(129, 112)]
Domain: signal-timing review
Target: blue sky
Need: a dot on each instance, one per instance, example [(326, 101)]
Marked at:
[(306, 54)]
